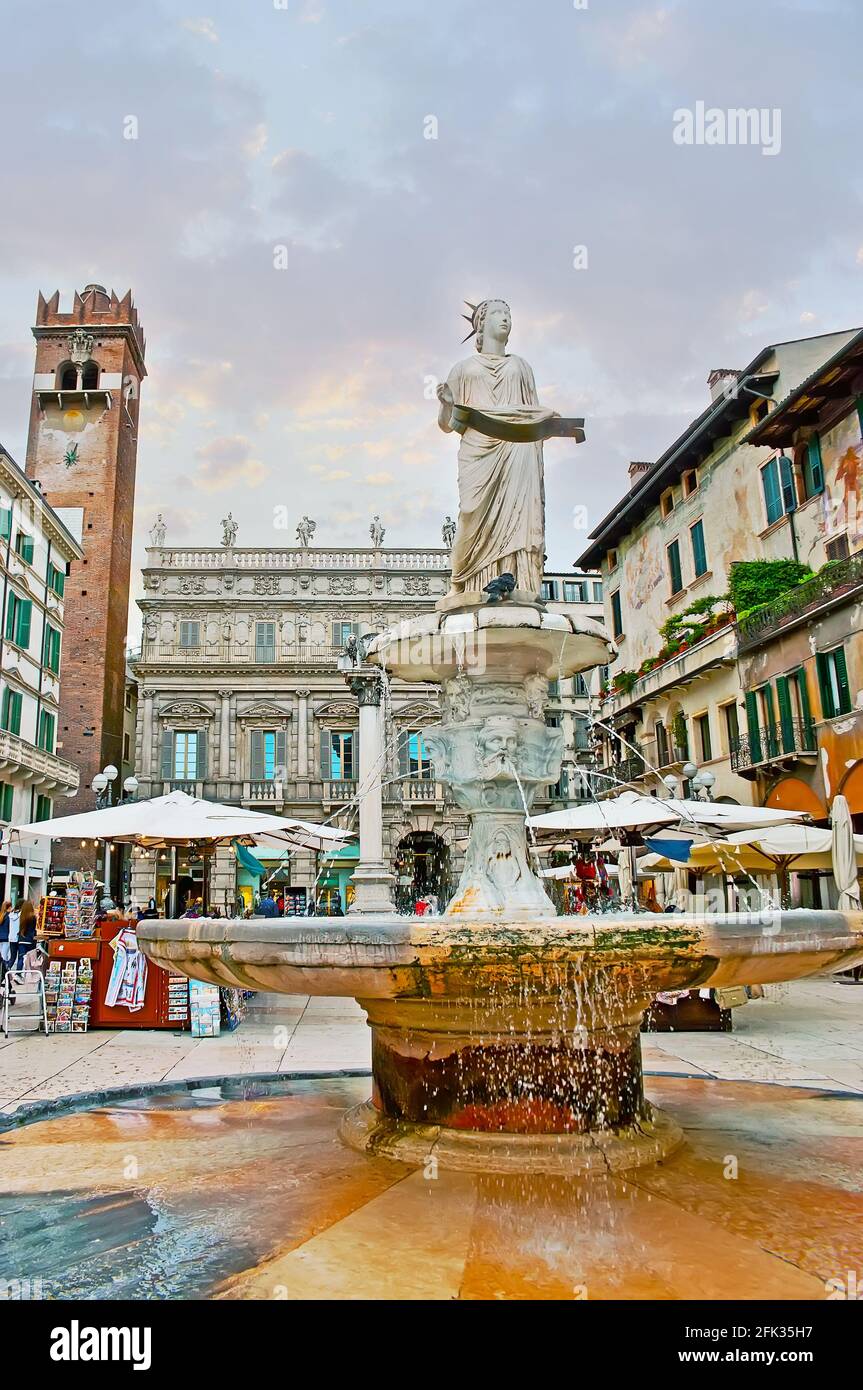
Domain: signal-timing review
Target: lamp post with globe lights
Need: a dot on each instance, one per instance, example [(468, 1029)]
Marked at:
[(103, 786)]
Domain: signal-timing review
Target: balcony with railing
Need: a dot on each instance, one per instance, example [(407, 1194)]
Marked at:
[(38, 767), (773, 745), (837, 582)]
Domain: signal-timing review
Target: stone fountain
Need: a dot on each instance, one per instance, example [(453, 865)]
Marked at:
[(503, 1036)]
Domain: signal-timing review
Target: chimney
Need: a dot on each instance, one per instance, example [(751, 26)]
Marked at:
[(721, 380), (637, 470)]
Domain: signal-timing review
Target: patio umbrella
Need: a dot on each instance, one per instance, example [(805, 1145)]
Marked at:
[(633, 811), (180, 819), (778, 850), (844, 856)]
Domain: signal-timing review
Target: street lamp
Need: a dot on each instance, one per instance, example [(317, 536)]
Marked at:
[(671, 783), (130, 787), (703, 781), (103, 786)]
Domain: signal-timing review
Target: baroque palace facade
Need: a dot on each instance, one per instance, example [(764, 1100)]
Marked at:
[(240, 700)]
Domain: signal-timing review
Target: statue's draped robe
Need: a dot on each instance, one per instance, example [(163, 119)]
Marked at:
[(501, 522)]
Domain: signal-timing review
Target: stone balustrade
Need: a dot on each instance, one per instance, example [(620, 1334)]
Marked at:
[(296, 558)]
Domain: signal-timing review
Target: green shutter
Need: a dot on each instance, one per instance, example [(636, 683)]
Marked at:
[(22, 624), (814, 468), (352, 754), (752, 726), (772, 494), (11, 605), (823, 667), (674, 567), (699, 554), (201, 768), (167, 755), (786, 718), (805, 711), (326, 755), (5, 523), (256, 760), (842, 681), (281, 755), (786, 483)]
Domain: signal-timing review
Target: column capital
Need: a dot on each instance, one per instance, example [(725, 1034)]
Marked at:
[(303, 693), (225, 694), (366, 685)]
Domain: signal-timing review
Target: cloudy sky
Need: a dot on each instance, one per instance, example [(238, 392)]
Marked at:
[(297, 130)]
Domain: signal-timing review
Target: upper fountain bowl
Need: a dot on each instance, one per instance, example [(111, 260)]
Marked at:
[(500, 640)]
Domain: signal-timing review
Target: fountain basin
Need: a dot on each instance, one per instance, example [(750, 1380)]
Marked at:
[(508, 1045)]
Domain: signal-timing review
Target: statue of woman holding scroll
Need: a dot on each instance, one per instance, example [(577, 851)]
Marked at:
[(491, 400)]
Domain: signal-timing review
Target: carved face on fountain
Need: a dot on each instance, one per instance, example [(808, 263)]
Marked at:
[(497, 746)]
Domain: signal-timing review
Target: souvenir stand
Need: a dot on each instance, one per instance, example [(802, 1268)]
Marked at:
[(97, 976)]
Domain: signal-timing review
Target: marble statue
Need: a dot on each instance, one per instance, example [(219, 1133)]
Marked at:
[(377, 532), (491, 400), (305, 531), (157, 531), (229, 530), (448, 532)]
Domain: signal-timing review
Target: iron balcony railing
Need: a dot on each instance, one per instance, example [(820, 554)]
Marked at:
[(831, 582), (793, 738)]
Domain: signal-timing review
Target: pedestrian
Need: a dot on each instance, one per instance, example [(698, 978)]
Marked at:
[(5, 948), (26, 933), (267, 905), (280, 905)]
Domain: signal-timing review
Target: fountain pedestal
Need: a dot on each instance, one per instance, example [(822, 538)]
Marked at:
[(493, 748), (508, 1084)]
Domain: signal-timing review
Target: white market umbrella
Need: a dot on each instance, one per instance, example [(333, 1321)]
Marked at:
[(633, 811), (844, 853), (178, 819)]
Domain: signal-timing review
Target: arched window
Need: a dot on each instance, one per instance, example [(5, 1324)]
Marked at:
[(67, 376), (91, 376)]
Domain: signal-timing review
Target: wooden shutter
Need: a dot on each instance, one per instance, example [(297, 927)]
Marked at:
[(827, 706), (355, 754), (25, 610), (281, 755), (256, 760), (772, 494), (201, 769), (842, 680), (805, 711), (786, 718), (326, 755), (786, 482), (816, 468), (167, 755), (752, 726)]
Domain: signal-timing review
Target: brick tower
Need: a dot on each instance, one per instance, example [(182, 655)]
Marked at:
[(82, 448)]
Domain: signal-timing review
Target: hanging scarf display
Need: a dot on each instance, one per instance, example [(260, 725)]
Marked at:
[(128, 983)]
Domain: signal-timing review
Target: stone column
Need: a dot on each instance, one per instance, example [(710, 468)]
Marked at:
[(225, 735), (147, 734), (302, 734), (373, 882)]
